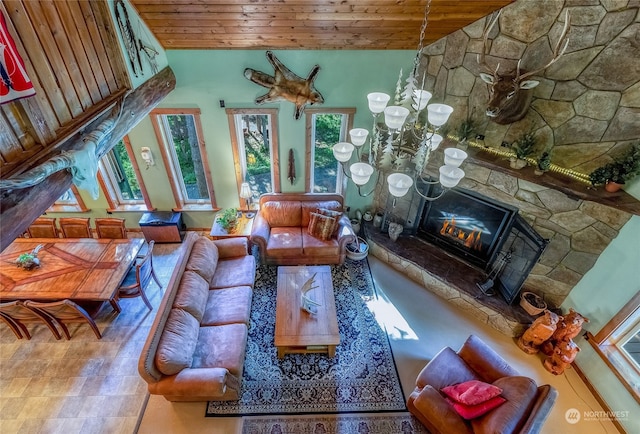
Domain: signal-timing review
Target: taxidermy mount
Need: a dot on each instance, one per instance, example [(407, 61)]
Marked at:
[(285, 85)]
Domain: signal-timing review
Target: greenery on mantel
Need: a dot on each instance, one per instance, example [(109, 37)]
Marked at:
[(624, 168)]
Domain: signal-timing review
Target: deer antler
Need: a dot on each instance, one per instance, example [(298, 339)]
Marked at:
[(485, 42), (558, 51)]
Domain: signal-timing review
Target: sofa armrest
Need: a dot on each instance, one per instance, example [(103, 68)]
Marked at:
[(260, 232), (232, 247), (540, 410), (430, 407), (346, 233), (211, 382)]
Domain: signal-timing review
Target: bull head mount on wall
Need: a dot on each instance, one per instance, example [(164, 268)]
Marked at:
[(510, 93), (285, 85)]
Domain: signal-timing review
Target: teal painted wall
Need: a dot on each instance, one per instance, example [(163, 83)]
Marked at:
[(599, 295)]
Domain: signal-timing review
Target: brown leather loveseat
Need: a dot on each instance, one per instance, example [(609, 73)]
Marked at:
[(525, 410), (196, 346), (280, 229)]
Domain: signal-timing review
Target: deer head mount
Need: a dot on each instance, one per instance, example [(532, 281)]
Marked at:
[(510, 92)]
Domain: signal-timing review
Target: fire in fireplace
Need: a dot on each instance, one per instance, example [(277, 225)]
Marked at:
[(485, 233)]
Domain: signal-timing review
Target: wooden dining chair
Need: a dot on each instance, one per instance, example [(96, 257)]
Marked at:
[(75, 227), (66, 311), (137, 279), (113, 228), (43, 227), (15, 314)]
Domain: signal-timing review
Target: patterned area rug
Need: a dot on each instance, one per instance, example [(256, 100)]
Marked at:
[(334, 424), (362, 376)]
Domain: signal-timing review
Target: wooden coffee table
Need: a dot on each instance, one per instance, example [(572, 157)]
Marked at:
[(298, 331)]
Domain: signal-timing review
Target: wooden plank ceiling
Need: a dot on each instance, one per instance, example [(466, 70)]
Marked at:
[(306, 24)]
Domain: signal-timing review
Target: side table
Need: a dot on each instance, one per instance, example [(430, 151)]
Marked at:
[(242, 229)]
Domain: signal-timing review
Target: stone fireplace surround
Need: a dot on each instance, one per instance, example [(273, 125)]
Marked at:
[(578, 231)]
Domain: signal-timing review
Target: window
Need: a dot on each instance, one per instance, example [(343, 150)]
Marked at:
[(70, 201), (618, 343), (255, 149), (179, 132), (120, 179), (325, 128)]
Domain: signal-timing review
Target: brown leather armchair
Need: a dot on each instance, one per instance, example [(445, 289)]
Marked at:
[(525, 410), (280, 230)]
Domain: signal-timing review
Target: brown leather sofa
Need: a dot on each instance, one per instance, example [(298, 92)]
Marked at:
[(525, 410), (280, 230), (196, 346)]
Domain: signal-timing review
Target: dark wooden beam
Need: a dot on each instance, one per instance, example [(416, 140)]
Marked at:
[(20, 207)]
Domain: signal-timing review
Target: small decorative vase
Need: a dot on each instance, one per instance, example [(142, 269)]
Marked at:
[(355, 224), (517, 163), (377, 220), (367, 217), (395, 229)]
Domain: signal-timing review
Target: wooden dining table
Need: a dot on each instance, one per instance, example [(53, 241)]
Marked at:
[(80, 269)]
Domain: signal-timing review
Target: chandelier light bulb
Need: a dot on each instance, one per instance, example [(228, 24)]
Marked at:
[(435, 141), (377, 101), (399, 184), (450, 176), (454, 157), (342, 151), (358, 136), (394, 116), (360, 173), (438, 114), (421, 99)]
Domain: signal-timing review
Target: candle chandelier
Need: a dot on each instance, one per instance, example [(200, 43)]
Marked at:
[(401, 146)]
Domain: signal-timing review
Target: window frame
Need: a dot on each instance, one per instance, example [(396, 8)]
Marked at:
[(112, 197), (606, 341), (78, 206), (310, 144), (241, 169), (157, 121)]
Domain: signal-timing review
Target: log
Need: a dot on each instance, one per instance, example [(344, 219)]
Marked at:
[(20, 207)]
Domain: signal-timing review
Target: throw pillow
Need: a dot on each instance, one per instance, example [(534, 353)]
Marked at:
[(334, 214), (474, 411), (471, 392), (321, 226)]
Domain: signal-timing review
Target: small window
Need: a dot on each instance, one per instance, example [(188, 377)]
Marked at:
[(70, 201), (325, 128), (255, 149), (185, 157), (121, 180)]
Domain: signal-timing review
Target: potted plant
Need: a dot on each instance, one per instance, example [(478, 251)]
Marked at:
[(523, 148), (466, 131), (544, 163), (228, 219), (623, 168)]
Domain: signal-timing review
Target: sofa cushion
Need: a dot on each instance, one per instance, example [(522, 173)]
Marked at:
[(321, 226), (221, 347), (520, 393), (473, 411), (471, 392), (177, 343), (285, 242), (284, 213), (192, 294), (228, 306), (313, 205), (314, 247), (235, 272), (203, 258)]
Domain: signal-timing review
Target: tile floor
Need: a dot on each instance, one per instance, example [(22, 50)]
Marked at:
[(90, 386)]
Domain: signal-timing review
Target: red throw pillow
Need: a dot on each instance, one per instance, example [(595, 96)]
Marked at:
[(471, 392), (473, 411)]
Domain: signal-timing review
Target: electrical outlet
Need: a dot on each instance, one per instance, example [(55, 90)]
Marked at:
[(221, 103)]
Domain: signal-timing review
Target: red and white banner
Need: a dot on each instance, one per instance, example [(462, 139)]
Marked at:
[(14, 82)]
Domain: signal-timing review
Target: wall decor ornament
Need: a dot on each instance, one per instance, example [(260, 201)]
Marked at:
[(284, 85)]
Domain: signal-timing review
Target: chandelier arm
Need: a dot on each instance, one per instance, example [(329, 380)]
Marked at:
[(375, 184), (429, 198), (344, 172)]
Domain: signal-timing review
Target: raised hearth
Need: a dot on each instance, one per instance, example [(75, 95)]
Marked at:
[(448, 277)]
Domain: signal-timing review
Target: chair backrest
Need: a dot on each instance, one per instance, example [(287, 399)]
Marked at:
[(17, 311), (144, 268), (43, 227), (75, 227), (113, 228)]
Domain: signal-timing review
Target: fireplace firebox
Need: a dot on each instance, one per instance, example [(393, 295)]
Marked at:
[(483, 232)]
